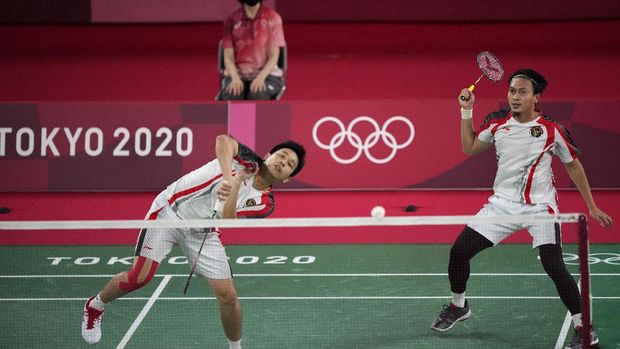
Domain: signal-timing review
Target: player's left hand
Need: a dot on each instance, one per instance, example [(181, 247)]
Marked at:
[(223, 192), (247, 172), (601, 217)]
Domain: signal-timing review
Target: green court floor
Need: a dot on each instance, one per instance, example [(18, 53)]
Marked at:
[(303, 296)]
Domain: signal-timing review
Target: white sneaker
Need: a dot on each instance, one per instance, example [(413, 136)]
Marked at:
[(91, 323)]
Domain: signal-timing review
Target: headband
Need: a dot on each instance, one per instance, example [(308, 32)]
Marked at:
[(525, 77)]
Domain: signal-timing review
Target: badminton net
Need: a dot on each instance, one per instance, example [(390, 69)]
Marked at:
[(357, 294)]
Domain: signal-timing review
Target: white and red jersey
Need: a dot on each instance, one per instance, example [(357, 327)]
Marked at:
[(194, 195), (524, 154), (252, 39)]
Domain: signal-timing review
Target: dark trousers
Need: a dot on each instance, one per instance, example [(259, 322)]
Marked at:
[(274, 85)]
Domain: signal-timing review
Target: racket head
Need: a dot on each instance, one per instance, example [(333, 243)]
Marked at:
[(490, 66)]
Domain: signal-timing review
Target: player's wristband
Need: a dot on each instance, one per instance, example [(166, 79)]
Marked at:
[(467, 114)]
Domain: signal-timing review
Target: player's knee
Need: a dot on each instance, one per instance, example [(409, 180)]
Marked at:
[(458, 253), (552, 260), (227, 296), (140, 274), (468, 244)]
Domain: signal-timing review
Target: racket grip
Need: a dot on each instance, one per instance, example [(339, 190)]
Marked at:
[(471, 89), (219, 205)]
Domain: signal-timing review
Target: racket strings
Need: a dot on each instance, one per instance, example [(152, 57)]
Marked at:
[(490, 66)]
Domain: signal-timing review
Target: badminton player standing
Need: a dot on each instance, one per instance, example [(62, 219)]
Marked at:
[(240, 179), (525, 140)]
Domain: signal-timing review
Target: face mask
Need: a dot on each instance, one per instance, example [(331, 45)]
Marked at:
[(250, 2)]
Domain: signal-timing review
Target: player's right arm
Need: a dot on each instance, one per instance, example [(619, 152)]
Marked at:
[(226, 148), (471, 144)]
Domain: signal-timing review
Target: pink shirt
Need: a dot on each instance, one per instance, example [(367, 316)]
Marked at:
[(252, 39)]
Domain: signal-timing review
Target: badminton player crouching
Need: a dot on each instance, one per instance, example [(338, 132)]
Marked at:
[(238, 178), (525, 140)]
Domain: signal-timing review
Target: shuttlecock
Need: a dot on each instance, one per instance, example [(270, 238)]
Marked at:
[(377, 212)]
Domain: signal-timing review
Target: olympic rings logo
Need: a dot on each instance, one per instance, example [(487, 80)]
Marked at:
[(594, 258), (363, 146)]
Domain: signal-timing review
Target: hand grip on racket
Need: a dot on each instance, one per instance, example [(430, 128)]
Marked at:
[(471, 89), (219, 205)]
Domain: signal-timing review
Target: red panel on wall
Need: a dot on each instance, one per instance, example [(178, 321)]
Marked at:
[(104, 146), (351, 144), (444, 10), (379, 144)]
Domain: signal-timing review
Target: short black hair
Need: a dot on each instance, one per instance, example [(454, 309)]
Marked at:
[(295, 147), (538, 81)]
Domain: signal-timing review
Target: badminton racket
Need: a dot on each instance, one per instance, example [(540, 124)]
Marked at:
[(490, 67), (218, 207)]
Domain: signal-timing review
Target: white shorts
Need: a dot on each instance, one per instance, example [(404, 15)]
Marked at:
[(542, 233), (156, 244)]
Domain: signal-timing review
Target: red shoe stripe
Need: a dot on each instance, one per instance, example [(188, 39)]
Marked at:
[(92, 313)]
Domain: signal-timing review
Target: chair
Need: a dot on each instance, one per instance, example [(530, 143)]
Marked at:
[(282, 64)]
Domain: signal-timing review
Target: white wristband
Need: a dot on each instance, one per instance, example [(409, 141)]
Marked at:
[(466, 114)]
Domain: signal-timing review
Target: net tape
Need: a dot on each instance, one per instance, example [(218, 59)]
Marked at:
[(286, 222)]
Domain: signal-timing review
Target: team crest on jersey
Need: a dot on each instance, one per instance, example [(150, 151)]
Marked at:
[(250, 202), (536, 131)]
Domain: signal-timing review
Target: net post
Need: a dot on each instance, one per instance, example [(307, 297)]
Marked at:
[(584, 266)]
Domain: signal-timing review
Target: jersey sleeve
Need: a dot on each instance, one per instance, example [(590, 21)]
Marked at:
[(486, 135), (246, 158), (227, 37), (276, 31), (564, 146), (486, 132)]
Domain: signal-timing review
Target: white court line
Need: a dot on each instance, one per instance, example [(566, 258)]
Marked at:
[(296, 275), (568, 319), (564, 331), (143, 313), (298, 298)]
